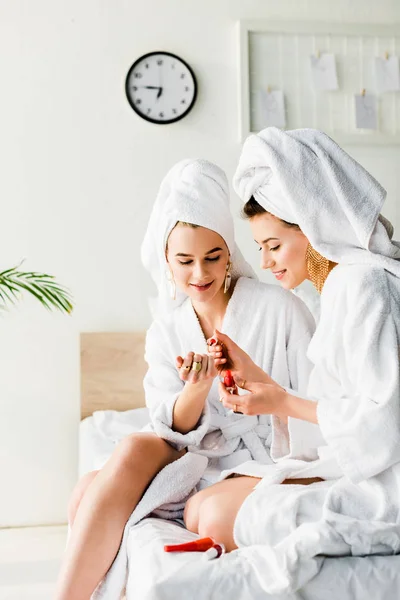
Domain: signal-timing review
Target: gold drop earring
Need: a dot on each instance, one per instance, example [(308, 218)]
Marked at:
[(171, 283), (228, 277), (318, 267)]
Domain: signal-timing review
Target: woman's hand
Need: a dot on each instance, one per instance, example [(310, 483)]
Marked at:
[(269, 399), (196, 368), (228, 355), (263, 399)]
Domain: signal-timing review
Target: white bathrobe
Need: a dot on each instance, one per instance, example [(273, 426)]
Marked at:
[(357, 365), (286, 530), (275, 332), (272, 325)]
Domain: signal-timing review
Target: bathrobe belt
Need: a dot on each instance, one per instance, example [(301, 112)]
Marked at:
[(255, 437), (241, 425)]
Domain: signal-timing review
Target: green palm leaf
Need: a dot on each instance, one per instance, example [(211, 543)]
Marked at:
[(42, 286)]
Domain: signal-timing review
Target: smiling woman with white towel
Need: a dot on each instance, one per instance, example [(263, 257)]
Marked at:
[(315, 213), (203, 283)]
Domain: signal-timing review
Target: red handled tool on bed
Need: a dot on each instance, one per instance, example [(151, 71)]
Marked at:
[(200, 545), (208, 545)]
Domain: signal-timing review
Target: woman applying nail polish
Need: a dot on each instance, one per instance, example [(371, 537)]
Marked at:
[(203, 284), (315, 213)]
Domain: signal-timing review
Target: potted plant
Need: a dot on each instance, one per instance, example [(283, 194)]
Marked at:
[(42, 286)]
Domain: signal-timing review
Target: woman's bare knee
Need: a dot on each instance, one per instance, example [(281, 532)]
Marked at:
[(213, 522), (144, 452), (191, 512), (192, 507), (218, 512), (78, 493)]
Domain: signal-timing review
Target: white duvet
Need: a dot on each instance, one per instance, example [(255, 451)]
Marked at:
[(156, 575)]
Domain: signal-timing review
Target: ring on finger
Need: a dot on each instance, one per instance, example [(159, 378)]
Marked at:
[(187, 367), (196, 366)]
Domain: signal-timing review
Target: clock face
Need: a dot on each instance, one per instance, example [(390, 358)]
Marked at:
[(161, 87)]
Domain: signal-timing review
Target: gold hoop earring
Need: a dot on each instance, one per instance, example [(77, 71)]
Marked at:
[(228, 277), (172, 284), (318, 267)]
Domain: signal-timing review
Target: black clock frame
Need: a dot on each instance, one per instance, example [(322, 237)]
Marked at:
[(145, 117)]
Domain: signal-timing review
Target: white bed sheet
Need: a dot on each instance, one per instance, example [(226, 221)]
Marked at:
[(101, 432), (156, 575)]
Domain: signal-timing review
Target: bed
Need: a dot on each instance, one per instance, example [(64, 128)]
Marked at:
[(112, 406)]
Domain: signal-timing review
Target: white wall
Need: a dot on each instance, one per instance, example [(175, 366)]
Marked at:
[(80, 170)]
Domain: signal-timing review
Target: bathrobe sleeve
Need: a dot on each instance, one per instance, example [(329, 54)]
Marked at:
[(361, 424), (296, 438), (300, 327), (163, 386)]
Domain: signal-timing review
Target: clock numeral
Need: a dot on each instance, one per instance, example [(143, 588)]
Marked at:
[(187, 88), (183, 101), (138, 101), (148, 111), (183, 75), (160, 62), (138, 75), (161, 115), (147, 65), (134, 88), (174, 111), (173, 66)]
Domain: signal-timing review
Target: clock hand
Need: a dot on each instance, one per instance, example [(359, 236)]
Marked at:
[(151, 87), (160, 90)]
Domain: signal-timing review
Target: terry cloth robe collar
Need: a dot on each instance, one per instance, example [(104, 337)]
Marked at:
[(240, 431)]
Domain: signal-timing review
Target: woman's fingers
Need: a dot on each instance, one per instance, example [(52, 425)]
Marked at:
[(225, 339), (185, 369), (197, 366), (232, 401), (219, 361), (203, 374), (179, 362), (250, 386), (211, 368)]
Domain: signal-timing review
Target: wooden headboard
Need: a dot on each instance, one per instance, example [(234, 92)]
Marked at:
[(112, 371)]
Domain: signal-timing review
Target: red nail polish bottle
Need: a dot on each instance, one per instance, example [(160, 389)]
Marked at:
[(200, 545), (228, 380)]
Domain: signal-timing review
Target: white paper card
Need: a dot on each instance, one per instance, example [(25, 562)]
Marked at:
[(366, 111), (387, 74), (323, 70), (273, 108)]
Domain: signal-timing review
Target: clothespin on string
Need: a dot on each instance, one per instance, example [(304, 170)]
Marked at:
[(363, 92), (386, 55)]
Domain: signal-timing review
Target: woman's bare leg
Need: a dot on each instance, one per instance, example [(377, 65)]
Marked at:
[(212, 512), (77, 495), (104, 510)]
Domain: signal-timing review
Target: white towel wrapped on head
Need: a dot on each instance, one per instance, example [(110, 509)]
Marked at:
[(304, 177), (197, 192)]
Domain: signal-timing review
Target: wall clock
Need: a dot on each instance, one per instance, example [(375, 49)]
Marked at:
[(161, 87)]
